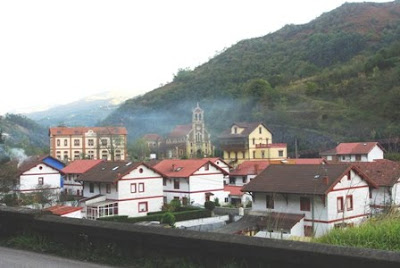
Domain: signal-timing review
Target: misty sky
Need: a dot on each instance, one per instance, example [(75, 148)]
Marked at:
[(55, 52)]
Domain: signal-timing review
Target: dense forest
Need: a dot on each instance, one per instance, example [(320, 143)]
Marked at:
[(333, 79)]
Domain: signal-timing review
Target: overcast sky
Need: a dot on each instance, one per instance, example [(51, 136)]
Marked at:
[(55, 52)]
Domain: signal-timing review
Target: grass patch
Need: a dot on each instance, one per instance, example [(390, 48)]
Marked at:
[(381, 232)]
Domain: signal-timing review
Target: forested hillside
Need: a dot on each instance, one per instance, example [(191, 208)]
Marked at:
[(333, 79), (18, 131)]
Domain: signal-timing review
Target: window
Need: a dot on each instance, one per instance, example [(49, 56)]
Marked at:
[(340, 204), (78, 192), (58, 142), (141, 187), (343, 157), (260, 130), (280, 153), (244, 179), (108, 188), (358, 157), (370, 192), (133, 187), (90, 142), (40, 180), (349, 202), (58, 154), (118, 155), (349, 175), (254, 154), (164, 181), (254, 141), (104, 142), (269, 201), (76, 142), (263, 154), (305, 204), (91, 187), (143, 207), (77, 154), (176, 183), (66, 155), (65, 142), (226, 199), (91, 154), (104, 155), (232, 180), (140, 170), (235, 130)]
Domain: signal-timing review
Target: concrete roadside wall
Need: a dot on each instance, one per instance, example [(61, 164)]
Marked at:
[(209, 249)]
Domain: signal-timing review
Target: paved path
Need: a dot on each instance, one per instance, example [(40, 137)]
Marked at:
[(13, 258)]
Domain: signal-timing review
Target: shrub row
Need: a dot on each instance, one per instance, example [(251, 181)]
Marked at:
[(179, 216)]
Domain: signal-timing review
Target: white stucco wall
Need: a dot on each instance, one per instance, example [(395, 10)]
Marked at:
[(30, 178), (375, 153)]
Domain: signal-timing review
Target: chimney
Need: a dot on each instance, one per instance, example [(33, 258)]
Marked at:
[(256, 169), (173, 167), (325, 180)]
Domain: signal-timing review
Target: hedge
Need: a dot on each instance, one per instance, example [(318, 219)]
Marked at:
[(179, 216)]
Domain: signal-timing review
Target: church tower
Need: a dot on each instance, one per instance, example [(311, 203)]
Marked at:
[(200, 141)]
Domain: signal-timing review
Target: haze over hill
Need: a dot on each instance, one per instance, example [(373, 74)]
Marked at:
[(84, 112), (333, 79)]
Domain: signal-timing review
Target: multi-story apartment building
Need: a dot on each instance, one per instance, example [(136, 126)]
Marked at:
[(250, 141), (72, 143)]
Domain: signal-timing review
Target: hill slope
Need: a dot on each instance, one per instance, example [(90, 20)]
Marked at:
[(333, 79)]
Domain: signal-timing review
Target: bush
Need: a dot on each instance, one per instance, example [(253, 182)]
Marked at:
[(210, 205), (216, 201), (168, 218)]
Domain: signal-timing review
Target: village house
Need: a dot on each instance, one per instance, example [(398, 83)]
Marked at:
[(153, 142), (192, 181), (73, 143), (41, 174), (386, 174), (250, 141), (72, 172), (327, 196), (191, 140), (354, 152), (121, 188), (248, 170)]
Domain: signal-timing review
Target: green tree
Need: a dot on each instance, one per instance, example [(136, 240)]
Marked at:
[(139, 150)]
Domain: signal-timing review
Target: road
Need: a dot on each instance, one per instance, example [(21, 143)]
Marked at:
[(13, 258)]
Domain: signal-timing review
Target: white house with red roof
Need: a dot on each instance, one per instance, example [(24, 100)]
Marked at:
[(193, 181), (328, 196), (355, 152), (386, 174), (38, 174), (121, 188), (72, 184)]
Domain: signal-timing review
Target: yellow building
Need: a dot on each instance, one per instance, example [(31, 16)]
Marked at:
[(72, 143), (250, 141), (191, 140)]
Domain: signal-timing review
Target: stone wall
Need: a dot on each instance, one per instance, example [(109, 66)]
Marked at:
[(209, 249)]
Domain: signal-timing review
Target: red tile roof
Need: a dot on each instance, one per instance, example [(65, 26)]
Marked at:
[(182, 168), (352, 148), (234, 190), (307, 161), (62, 210), (384, 172), (152, 137), (80, 166), (81, 130), (249, 168), (180, 130), (301, 179)]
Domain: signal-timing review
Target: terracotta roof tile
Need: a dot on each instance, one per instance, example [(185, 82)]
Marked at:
[(62, 210), (180, 130), (234, 190), (82, 130), (384, 172), (80, 166), (250, 168), (182, 168)]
